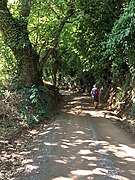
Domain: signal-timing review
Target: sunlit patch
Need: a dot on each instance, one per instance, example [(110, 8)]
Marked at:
[(77, 98), (98, 171), (50, 128), (66, 106), (92, 144), (66, 140), (25, 152), (121, 162), (61, 178), (20, 169), (41, 134), (92, 164), (57, 128), (111, 148), (120, 154), (11, 1), (102, 143), (26, 161), (61, 161), (39, 157), (129, 151), (93, 158), (108, 137), (33, 132), (3, 141), (102, 151), (73, 102), (85, 152), (73, 157), (79, 132), (130, 159), (29, 167), (78, 107), (79, 141), (122, 151), (69, 144), (94, 113), (75, 111), (64, 146), (87, 141), (132, 172), (50, 144), (35, 149)]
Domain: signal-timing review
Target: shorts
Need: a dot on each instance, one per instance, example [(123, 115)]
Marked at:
[(95, 99)]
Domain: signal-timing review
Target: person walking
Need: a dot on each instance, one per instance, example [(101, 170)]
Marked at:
[(95, 92)]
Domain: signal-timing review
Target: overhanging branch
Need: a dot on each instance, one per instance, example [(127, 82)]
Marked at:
[(55, 41)]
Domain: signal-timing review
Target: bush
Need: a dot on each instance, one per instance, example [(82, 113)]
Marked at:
[(36, 105), (27, 105)]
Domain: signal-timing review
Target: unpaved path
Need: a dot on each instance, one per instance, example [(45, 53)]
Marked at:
[(80, 144)]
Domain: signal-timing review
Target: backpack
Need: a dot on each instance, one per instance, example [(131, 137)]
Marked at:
[(95, 92)]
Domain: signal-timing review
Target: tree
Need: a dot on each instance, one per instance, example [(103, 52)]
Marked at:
[(120, 46), (97, 19), (16, 36)]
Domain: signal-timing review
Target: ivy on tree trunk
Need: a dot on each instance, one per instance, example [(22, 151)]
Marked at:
[(16, 36)]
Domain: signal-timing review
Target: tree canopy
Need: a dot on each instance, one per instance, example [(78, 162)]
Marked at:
[(44, 40)]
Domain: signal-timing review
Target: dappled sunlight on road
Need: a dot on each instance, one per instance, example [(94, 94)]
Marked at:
[(85, 152), (99, 171), (50, 144), (79, 145)]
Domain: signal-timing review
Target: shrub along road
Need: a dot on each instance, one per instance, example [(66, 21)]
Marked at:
[(80, 144)]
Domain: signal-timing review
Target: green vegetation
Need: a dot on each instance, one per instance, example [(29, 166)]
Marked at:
[(27, 106), (87, 41), (37, 105)]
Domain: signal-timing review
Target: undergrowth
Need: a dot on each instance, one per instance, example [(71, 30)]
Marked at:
[(25, 106), (37, 104)]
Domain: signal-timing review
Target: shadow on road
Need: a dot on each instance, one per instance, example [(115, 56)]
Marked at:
[(80, 144)]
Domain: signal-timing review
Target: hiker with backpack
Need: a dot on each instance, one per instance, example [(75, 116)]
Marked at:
[(95, 92)]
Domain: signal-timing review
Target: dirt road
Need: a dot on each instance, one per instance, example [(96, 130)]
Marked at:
[(81, 144)]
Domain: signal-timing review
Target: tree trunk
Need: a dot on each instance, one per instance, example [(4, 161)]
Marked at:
[(54, 71), (16, 37)]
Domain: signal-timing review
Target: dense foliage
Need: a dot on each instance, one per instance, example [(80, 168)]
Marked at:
[(88, 41)]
